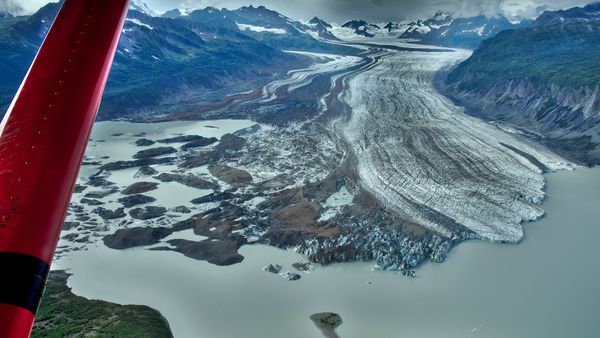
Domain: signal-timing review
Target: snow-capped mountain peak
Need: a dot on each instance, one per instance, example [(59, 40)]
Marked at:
[(444, 29), (172, 14), (317, 22), (320, 29), (141, 6), (392, 26), (441, 16), (361, 27)]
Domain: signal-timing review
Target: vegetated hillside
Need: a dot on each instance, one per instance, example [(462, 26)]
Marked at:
[(161, 64), (545, 78), (63, 314)]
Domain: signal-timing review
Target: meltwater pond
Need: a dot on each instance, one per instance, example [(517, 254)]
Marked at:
[(547, 286)]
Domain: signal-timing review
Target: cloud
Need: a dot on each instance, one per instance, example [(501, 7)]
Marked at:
[(10, 6), (22, 7), (383, 10)]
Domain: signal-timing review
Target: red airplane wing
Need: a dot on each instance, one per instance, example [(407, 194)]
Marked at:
[(42, 141)]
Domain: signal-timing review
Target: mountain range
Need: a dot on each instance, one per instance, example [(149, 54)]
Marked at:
[(171, 61), (269, 27), (442, 29), (445, 30), (162, 63)]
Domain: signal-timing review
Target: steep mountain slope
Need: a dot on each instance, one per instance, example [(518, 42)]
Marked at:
[(19, 40), (545, 78), (172, 14), (394, 26), (420, 28), (141, 6), (213, 17), (321, 29), (361, 27), (161, 64)]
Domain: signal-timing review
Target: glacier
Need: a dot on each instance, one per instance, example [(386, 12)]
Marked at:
[(423, 157)]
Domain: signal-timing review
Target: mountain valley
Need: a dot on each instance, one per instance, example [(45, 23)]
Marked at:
[(231, 131)]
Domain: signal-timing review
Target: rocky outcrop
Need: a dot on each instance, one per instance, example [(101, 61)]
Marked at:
[(134, 237), (191, 141), (137, 199), (230, 175), (90, 201), (196, 161), (214, 197), (140, 188), (182, 209), (100, 194), (304, 266), (189, 180), (213, 251), (79, 188), (120, 165), (230, 143), (273, 268), (99, 182), (147, 212), (70, 225), (327, 322), (154, 152), (144, 142), (215, 224), (145, 171), (290, 276), (199, 143), (108, 214)]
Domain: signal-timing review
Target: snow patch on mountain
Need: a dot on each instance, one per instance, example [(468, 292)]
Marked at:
[(477, 30), (260, 29), (177, 13), (319, 29), (138, 23)]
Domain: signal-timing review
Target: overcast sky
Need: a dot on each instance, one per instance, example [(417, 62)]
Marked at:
[(342, 10)]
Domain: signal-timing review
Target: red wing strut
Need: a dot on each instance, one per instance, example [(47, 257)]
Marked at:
[(42, 141)]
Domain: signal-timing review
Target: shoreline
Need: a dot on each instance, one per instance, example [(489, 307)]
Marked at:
[(357, 284)]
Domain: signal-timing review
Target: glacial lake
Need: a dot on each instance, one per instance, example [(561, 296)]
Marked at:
[(547, 286)]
